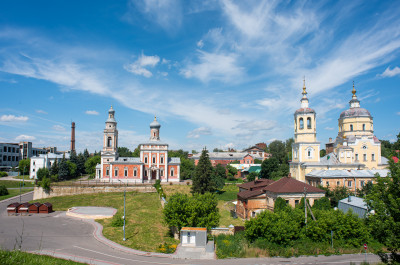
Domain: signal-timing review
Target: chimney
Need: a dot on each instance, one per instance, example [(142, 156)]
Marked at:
[(72, 136)]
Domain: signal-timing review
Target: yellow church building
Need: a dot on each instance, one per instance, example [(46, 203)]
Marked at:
[(352, 159)]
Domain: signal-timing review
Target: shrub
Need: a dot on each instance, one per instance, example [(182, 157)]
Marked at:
[(231, 246), (3, 190), (117, 221), (166, 248), (45, 184), (3, 174)]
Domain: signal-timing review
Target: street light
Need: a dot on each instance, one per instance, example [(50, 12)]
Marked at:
[(124, 209)]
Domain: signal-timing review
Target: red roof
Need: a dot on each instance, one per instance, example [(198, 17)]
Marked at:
[(256, 184), (249, 193), (291, 185)]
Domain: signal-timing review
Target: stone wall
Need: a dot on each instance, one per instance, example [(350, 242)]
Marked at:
[(39, 193)]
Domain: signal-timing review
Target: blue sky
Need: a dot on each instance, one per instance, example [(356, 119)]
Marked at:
[(216, 73)]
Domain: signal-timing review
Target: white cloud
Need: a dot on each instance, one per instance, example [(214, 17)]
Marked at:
[(13, 118), (398, 113), (196, 133), (391, 72), (58, 128), (329, 128), (255, 125), (91, 112), (139, 66), (41, 111), (24, 137), (213, 66), (200, 44)]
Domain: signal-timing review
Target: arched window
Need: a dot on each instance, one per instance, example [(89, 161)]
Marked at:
[(145, 159), (154, 159), (109, 139), (116, 172), (162, 159), (351, 127), (126, 172), (161, 172), (107, 171), (301, 123), (308, 123), (363, 127), (310, 152), (172, 172), (135, 172)]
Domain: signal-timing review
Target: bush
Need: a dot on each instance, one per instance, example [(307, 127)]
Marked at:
[(117, 221), (45, 184), (231, 246), (3, 190), (166, 248), (3, 174)]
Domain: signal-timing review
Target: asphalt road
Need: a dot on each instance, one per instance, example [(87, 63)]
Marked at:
[(59, 235)]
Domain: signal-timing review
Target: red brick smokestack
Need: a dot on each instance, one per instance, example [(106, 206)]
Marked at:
[(73, 136)]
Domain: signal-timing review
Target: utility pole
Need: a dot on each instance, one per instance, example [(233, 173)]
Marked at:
[(124, 211)]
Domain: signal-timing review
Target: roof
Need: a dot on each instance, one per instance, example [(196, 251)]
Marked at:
[(256, 169), (228, 155), (304, 110), (193, 229), (47, 204), (254, 147), (174, 160), (155, 123), (291, 185), (363, 173), (127, 160), (355, 112), (256, 184), (331, 160), (354, 201), (37, 204), (250, 193)]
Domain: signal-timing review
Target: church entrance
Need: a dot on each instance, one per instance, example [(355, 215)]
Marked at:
[(154, 174)]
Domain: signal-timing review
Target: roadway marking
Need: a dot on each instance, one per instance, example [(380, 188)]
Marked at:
[(112, 256)]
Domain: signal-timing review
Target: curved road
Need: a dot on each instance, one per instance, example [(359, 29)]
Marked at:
[(59, 235)]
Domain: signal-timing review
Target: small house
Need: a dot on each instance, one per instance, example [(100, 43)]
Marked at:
[(24, 208), (194, 236), (356, 204), (46, 208), (12, 209), (34, 208)]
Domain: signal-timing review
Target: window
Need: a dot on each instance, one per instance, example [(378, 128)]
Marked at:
[(135, 172), (172, 172), (116, 172), (310, 152), (145, 159), (308, 123), (161, 172), (327, 183), (296, 202), (301, 124), (365, 157), (363, 127), (5, 149), (145, 173), (349, 183), (373, 157), (162, 159), (362, 183), (125, 172), (33, 162), (108, 171), (154, 159), (356, 157), (351, 127), (337, 183), (109, 139), (253, 214), (287, 201)]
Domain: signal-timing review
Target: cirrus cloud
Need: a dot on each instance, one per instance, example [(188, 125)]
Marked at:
[(13, 118)]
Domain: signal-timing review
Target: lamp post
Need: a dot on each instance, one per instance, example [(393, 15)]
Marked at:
[(124, 209)]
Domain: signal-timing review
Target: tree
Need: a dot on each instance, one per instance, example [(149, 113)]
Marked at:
[(252, 176), (72, 169), (136, 152), (269, 166), (187, 168), (80, 164), (24, 166), (42, 173), (3, 190), (54, 168), (288, 145), (63, 169), (86, 154), (282, 171), (384, 199), (322, 204), (257, 161), (220, 170), (194, 152), (73, 157), (124, 152), (91, 163), (280, 204), (203, 175), (337, 194), (232, 171), (322, 153), (217, 150), (196, 211), (278, 150)]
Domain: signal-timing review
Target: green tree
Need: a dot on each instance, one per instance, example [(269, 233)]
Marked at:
[(280, 204), (322, 153), (257, 161), (278, 150), (124, 152), (217, 150), (3, 190), (384, 199), (24, 166), (252, 176), (269, 166), (288, 145), (45, 184), (72, 170), (91, 163), (73, 157), (322, 204), (232, 171), (136, 152), (42, 173), (187, 168), (63, 169), (220, 170), (194, 152), (282, 171), (54, 168), (80, 164), (336, 194), (203, 175), (195, 211), (86, 154)]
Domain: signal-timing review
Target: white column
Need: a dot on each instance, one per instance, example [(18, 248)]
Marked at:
[(179, 172)]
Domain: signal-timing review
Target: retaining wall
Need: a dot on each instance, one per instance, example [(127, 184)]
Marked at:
[(39, 193)]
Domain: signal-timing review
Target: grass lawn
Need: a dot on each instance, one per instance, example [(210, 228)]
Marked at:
[(26, 177), (13, 193), (145, 229), (172, 189), (228, 193), (15, 184), (226, 219), (19, 257)]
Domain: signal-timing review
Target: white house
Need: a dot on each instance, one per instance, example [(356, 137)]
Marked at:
[(44, 161)]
